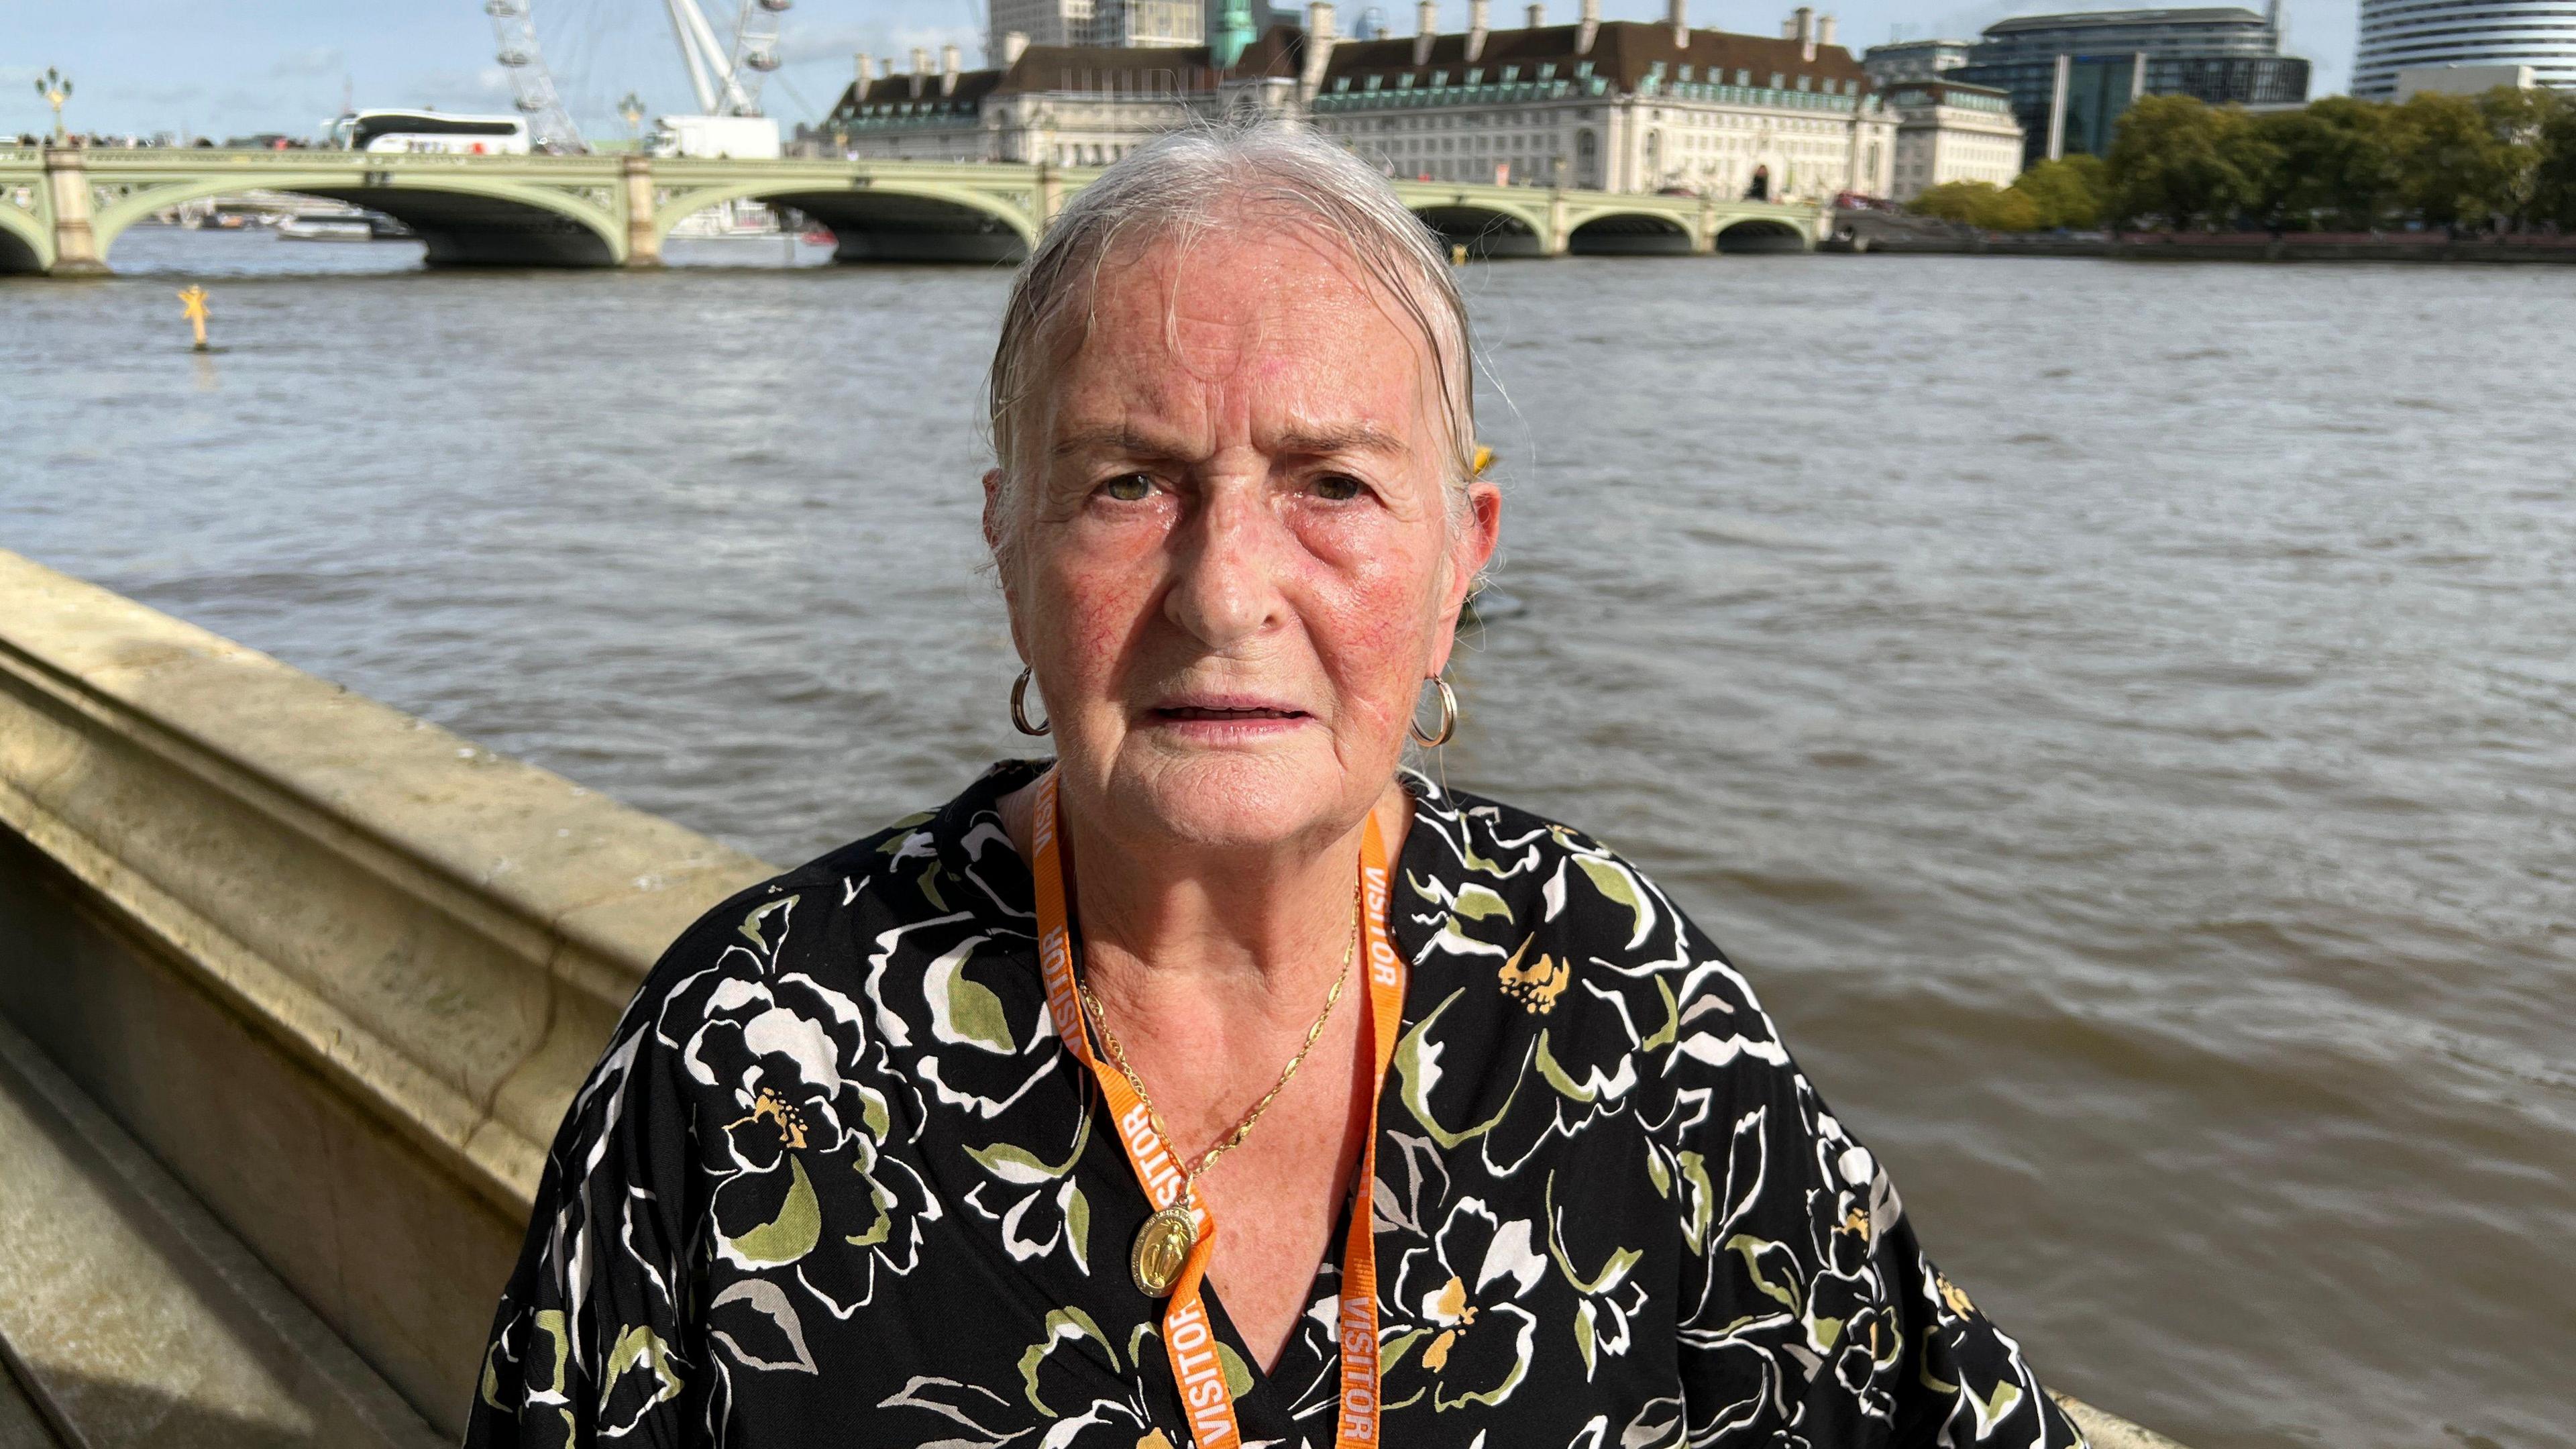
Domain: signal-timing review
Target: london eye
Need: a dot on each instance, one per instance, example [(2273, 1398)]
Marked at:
[(725, 70)]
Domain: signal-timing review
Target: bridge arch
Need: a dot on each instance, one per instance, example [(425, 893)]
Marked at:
[(463, 220), (1630, 234), (1485, 229), (883, 221), (26, 245), (1762, 234)]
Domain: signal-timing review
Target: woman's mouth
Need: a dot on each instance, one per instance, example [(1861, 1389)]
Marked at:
[(1227, 714), (1226, 718)]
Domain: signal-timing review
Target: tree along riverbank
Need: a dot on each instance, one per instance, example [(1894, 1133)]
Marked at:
[(2502, 164)]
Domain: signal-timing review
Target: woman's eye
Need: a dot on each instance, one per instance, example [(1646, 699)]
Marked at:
[(1337, 487), (1129, 488)]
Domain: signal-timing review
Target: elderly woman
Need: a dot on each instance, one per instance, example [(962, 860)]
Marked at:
[(1220, 1081)]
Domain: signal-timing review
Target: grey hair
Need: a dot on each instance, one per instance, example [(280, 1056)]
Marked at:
[(1192, 180)]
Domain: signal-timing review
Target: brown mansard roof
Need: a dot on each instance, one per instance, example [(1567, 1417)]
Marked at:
[(1623, 52), (1129, 70)]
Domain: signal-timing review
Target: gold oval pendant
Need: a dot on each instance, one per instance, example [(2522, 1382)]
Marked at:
[(1162, 1248)]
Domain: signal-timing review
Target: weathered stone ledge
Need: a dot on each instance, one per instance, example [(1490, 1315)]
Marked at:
[(129, 1317), (340, 969)]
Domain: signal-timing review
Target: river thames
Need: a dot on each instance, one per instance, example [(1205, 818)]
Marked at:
[(2123, 716)]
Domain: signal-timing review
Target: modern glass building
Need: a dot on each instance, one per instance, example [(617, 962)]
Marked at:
[(2221, 54), (2399, 33), (1913, 60)]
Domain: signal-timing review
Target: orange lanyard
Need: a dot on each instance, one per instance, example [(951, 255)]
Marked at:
[(1187, 1338)]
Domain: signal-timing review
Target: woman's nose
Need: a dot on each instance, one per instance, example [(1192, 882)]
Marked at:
[(1227, 589)]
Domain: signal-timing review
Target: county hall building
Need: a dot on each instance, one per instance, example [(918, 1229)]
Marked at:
[(1605, 105)]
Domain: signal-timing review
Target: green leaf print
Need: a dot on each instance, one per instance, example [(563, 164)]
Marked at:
[(1077, 1224), (1417, 1066), (1238, 1374), (1064, 1324), (962, 1009), (790, 1235), (1614, 882), (640, 1346), (1755, 1252)]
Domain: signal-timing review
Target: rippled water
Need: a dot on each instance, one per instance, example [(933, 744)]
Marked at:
[(2123, 715)]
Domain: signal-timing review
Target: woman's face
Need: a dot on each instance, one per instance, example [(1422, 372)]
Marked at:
[(1233, 566)]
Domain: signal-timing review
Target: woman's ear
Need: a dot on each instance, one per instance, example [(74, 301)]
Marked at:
[(996, 530), (1468, 554), (993, 511), (1477, 540)]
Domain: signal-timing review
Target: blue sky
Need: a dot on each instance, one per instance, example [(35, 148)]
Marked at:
[(234, 67)]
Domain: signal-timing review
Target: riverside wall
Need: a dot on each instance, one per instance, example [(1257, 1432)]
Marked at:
[(1874, 237), (294, 989)]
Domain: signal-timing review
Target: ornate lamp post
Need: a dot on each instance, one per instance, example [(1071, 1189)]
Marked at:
[(56, 88), (632, 108)]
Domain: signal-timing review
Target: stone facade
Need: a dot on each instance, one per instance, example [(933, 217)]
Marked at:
[(1614, 106), (1061, 105), (1949, 131)]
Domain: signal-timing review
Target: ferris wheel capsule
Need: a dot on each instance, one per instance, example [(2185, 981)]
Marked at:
[(512, 58), (762, 60), (504, 8), (774, 6)]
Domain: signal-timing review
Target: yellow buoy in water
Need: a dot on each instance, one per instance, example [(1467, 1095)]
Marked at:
[(194, 299)]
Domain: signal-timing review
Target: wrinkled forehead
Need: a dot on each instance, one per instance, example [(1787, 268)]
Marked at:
[(1255, 309)]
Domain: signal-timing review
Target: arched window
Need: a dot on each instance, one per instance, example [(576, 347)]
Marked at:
[(1587, 160)]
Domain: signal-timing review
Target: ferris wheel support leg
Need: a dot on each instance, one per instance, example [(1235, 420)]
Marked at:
[(643, 240)]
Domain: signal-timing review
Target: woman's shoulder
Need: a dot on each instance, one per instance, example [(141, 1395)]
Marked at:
[(1487, 858), (1574, 930), (949, 868)]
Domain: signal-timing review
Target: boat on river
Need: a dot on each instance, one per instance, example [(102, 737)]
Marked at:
[(325, 228)]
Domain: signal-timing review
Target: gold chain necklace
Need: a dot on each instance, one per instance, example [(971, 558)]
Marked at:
[(1165, 1240)]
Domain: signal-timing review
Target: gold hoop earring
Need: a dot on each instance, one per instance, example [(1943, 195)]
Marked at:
[(1020, 706), (1448, 718)]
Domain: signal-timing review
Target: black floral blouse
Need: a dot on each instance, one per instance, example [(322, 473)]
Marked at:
[(837, 1181)]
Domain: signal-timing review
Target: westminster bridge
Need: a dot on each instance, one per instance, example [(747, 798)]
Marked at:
[(62, 208)]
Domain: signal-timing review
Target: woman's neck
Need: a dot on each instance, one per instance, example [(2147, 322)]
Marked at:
[(1166, 926)]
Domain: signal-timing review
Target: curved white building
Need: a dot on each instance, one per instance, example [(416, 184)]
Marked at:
[(2396, 34)]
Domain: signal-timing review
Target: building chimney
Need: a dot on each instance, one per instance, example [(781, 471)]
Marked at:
[(1537, 15), (1824, 30), (1480, 14), (1679, 15), (1014, 45), (865, 66), (947, 69), (1319, 48), (1588, 27), (1804, 17), (1426, 24), (920, 70)]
